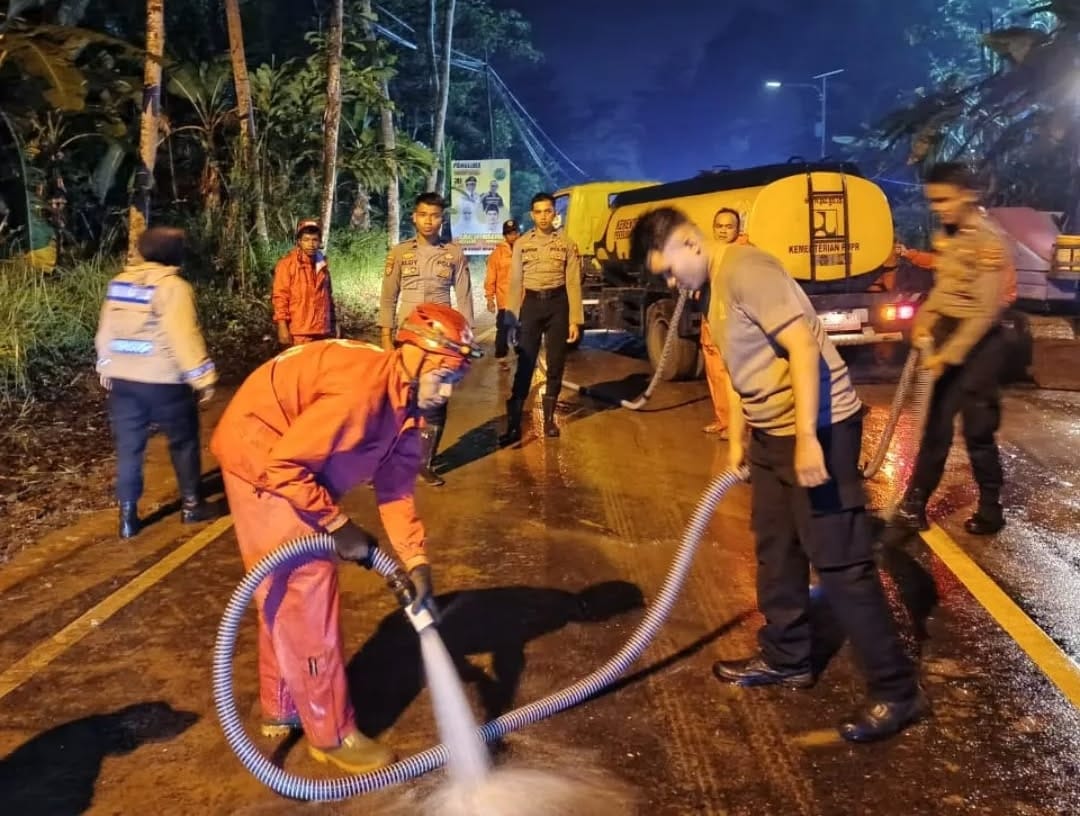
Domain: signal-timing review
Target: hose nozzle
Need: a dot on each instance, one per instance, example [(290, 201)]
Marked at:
[(405, 592)]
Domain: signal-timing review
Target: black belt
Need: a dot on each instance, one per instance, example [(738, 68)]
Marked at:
[(544, 294)]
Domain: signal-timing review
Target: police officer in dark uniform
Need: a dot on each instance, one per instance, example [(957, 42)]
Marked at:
[(547, 268), (424, 270), (975, 282)]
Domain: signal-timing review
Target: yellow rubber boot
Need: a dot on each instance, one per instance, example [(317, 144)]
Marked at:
[(356, 755)]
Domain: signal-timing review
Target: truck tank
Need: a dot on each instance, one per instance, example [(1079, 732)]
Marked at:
[(830, 227), (825, 223)]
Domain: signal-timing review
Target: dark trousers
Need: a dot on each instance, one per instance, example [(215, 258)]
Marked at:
[(437, 416), (133, 407), (544, 316), (502, 330), (972, 390), (828, 527)]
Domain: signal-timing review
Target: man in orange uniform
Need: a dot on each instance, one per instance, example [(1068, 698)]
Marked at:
[(302, 295), (726, 227), (303, 430), (497, 287)]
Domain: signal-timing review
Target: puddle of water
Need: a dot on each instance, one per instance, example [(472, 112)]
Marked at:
[(534, 792)]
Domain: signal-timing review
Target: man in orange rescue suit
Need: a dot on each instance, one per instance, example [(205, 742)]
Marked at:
[(303, 430), (497, 287), (726, 228), (302, 295), (424, 270)]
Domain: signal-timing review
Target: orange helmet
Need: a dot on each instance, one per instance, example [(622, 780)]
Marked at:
[(308, 224), (439, 329)]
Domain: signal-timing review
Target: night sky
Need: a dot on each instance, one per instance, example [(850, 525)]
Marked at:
[(677, 87)]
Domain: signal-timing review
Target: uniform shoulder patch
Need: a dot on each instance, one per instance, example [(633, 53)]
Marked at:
[(388, 270), (991, 252)]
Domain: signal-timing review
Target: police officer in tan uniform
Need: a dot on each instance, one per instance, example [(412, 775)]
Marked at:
[(975, 281), (547, 269), (424, 270)]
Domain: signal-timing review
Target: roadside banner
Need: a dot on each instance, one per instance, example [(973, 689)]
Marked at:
[(479, 203)]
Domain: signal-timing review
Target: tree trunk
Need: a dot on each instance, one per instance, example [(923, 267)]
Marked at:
[(332, 117), (139, 213), (246, 113), (435, 180), (388, 138), (393, 186)]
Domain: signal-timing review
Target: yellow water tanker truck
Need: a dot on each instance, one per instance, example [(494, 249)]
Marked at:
[(831, 228)]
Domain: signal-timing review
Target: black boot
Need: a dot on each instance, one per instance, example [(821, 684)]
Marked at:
[(911, 514), (988, 519), (129, 519), (514, 408), (429, 445), (881, 720), (194, 510), (550, 428)]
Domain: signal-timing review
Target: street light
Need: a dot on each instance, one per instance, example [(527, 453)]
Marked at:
[(821, 90)]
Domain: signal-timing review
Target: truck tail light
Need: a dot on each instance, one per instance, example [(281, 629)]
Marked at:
[(905, 311)]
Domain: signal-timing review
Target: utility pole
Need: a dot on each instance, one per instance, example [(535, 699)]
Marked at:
[(824, 95), (491, 116)]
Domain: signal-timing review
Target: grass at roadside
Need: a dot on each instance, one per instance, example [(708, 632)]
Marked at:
[(48, 319)]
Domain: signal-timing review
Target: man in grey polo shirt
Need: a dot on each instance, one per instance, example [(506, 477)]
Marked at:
[(790, 386)]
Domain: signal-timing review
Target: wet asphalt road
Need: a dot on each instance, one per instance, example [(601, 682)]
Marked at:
[(544, 555)]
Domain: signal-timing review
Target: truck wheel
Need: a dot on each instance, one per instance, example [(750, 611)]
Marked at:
[(683, 362)]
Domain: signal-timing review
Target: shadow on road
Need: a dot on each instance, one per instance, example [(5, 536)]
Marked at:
[(386, 675), (55, 772), (210, 485), (471, 446), (689, 650)]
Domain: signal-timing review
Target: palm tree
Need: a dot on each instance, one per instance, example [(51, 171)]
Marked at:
[(387, 136), (246, 114), (139, 213), (443, 102), (332, 116)]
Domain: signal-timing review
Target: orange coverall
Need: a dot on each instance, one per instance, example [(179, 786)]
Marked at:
[(715, 375), (497, 280), (302, 296), (304, 429)]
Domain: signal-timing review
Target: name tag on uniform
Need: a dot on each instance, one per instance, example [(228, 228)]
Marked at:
[(408, 265), (444, 265)]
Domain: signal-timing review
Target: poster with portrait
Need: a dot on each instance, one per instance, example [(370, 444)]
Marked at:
[(479, 203)]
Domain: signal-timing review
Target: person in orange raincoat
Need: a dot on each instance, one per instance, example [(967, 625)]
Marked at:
[(302, 295), (304, 429), (497, 287)]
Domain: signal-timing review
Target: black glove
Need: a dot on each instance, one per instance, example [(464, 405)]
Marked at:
[(355, 544), (425, 591)]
